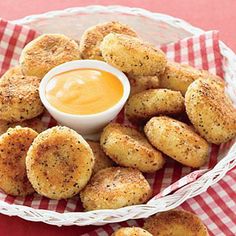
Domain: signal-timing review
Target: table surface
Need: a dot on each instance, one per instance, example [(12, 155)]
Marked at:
[(206, 14)]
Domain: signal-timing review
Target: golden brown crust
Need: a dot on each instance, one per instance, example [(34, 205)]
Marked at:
[(93, 36), (14, 145), (102, 161), (35, 124), (179, 76), (115, 187), (132, 55), (59, 163), (131, 231), (141, 83), (175, 222), (128, 147), (211, 111), (47, 51), (19, 96), (177, 140), (152, 102)]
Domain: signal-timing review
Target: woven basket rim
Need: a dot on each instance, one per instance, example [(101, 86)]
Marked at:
[(33, 214)]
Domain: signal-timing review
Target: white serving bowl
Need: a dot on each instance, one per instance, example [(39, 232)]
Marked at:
[(85, 124)]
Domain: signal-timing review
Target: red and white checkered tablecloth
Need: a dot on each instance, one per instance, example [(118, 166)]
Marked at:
[(216, 207)]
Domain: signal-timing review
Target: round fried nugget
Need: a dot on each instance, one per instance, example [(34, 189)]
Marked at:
[(128, 147), (35, 124), (179, 76), (47, 51), (102, 161), (175, 223), (211, 111), (141, 83), (93, 36), (115, 187), (152, 102), (132, 55), (177, 140), (59, 163), (19, 96), (131, 231), (14, 145)]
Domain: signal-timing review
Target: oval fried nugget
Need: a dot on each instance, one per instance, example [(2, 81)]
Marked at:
[(175, 223), (152, 102), (141, 83), (102, 161), (179, 76), (131, 231), (14, 145), (211, 111), (93, 36), (47, 51), (115, 187), (128, 147), (35, 124), (177, 140), (19, 96), (59, 163), (132, 55)]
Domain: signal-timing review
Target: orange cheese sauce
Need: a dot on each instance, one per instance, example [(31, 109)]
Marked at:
[(84, 91)]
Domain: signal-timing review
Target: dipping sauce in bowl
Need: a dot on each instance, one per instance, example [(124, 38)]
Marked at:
[(84, 95), (84, 91)]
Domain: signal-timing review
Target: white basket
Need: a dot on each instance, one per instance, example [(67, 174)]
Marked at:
[(163, 29)]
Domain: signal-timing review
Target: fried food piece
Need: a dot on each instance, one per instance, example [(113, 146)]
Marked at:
[(152, 102), (177, 140), (132, 55), (131, 231), (102, 161), (93, 36), (175, 223), (19, 96), (179, 76), (14, 145), (141, 83), (211, 110), (115, 187), (59, 163), (47, 51), (35, 124), (128, 147)]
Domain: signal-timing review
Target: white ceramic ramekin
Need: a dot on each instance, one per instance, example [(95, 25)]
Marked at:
[(85, 124)]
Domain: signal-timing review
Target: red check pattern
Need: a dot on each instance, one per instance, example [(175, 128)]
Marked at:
[(216, 207)]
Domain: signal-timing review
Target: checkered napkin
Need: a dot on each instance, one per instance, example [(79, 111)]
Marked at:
[(216, 207)]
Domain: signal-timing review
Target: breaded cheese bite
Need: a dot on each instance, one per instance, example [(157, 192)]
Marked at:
[(153, 102), (179, 76), (47, 51), (102, 161), (115, 187), (177, 140), (141, 83), (36, 124), (132, 55), (175, 223), (19, 96), (93, 36), (211, 111), (131, 231), (128, 147), (59, 163), (14, 145)]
